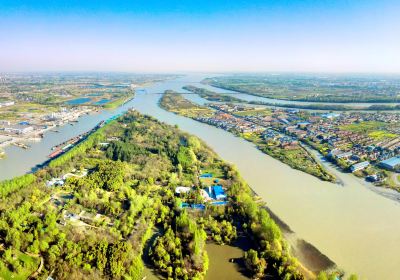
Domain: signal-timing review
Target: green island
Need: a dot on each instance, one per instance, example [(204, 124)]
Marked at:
[(292, 154), (313, 88), (174, 102), (135, 190), (213, 96)]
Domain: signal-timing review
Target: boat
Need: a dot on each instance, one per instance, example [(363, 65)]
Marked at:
[(21, 145), (66, 147), (55, 153)]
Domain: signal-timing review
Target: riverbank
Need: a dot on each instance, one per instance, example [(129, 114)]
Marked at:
[(232, 98), (311, 259), (293, 155), (329, 216), (119, 102), (187, 229), (311, 89), (377, 141), (383, 191)]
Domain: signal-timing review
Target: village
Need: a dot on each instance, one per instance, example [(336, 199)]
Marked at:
[(366, 144)]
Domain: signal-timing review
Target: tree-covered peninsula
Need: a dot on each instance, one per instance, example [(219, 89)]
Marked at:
[(135, 189)]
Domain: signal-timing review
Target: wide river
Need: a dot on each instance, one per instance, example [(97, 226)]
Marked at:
[(355, 227)]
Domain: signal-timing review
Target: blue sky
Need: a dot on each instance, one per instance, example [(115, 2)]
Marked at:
[(168, 36)]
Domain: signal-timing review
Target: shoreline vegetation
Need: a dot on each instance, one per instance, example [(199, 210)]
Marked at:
[(329, 107), (298, 158), (119, 102), (310, 88), (229, 98), (213, 96), (95, 223)]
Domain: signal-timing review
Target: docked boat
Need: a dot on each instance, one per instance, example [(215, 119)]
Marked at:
[(21, 145), (55, 153)]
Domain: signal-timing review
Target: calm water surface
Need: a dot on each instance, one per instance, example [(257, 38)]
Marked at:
[(355, 227), (78, 101)]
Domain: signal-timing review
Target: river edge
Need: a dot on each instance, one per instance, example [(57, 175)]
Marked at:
[(297, 246), (289, 163), (310, 258), (372, 263), (380, 190), (232, 91), (317, 156)]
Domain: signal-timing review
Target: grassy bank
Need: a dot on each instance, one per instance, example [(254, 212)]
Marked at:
[(118, 102), (296, 157), (213, 96), (174, 102)]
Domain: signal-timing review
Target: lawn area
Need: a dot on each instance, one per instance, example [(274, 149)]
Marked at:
[(381, 135), (216, 172), (26, 266), (255, 112), (364, 127)]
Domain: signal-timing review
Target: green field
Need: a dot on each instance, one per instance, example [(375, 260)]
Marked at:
[(364, 127), (174, 102), (117, 102), (255, 112), (374, 129)]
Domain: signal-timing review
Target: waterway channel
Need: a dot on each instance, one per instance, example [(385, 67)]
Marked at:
[(355, 227)]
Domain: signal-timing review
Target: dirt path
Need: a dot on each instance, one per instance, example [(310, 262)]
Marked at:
[(37, 272)]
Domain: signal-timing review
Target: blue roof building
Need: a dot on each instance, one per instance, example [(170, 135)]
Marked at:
[(391, 163), (218, 192)]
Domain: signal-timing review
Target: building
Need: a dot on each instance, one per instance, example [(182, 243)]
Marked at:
[(18, 129), (330, 115), (344, 155), (180, 190), (303, 124), (359, 166), (334, 153), (391, 163), (218, 192), (55, 182)]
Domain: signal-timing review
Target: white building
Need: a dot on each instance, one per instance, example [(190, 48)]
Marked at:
[(18, 129), (359, 166)]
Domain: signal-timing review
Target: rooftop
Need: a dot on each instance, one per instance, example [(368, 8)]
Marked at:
[(391, 161)]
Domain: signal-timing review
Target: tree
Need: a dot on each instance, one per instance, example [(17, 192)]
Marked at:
[(186, 157), (255, 264)]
